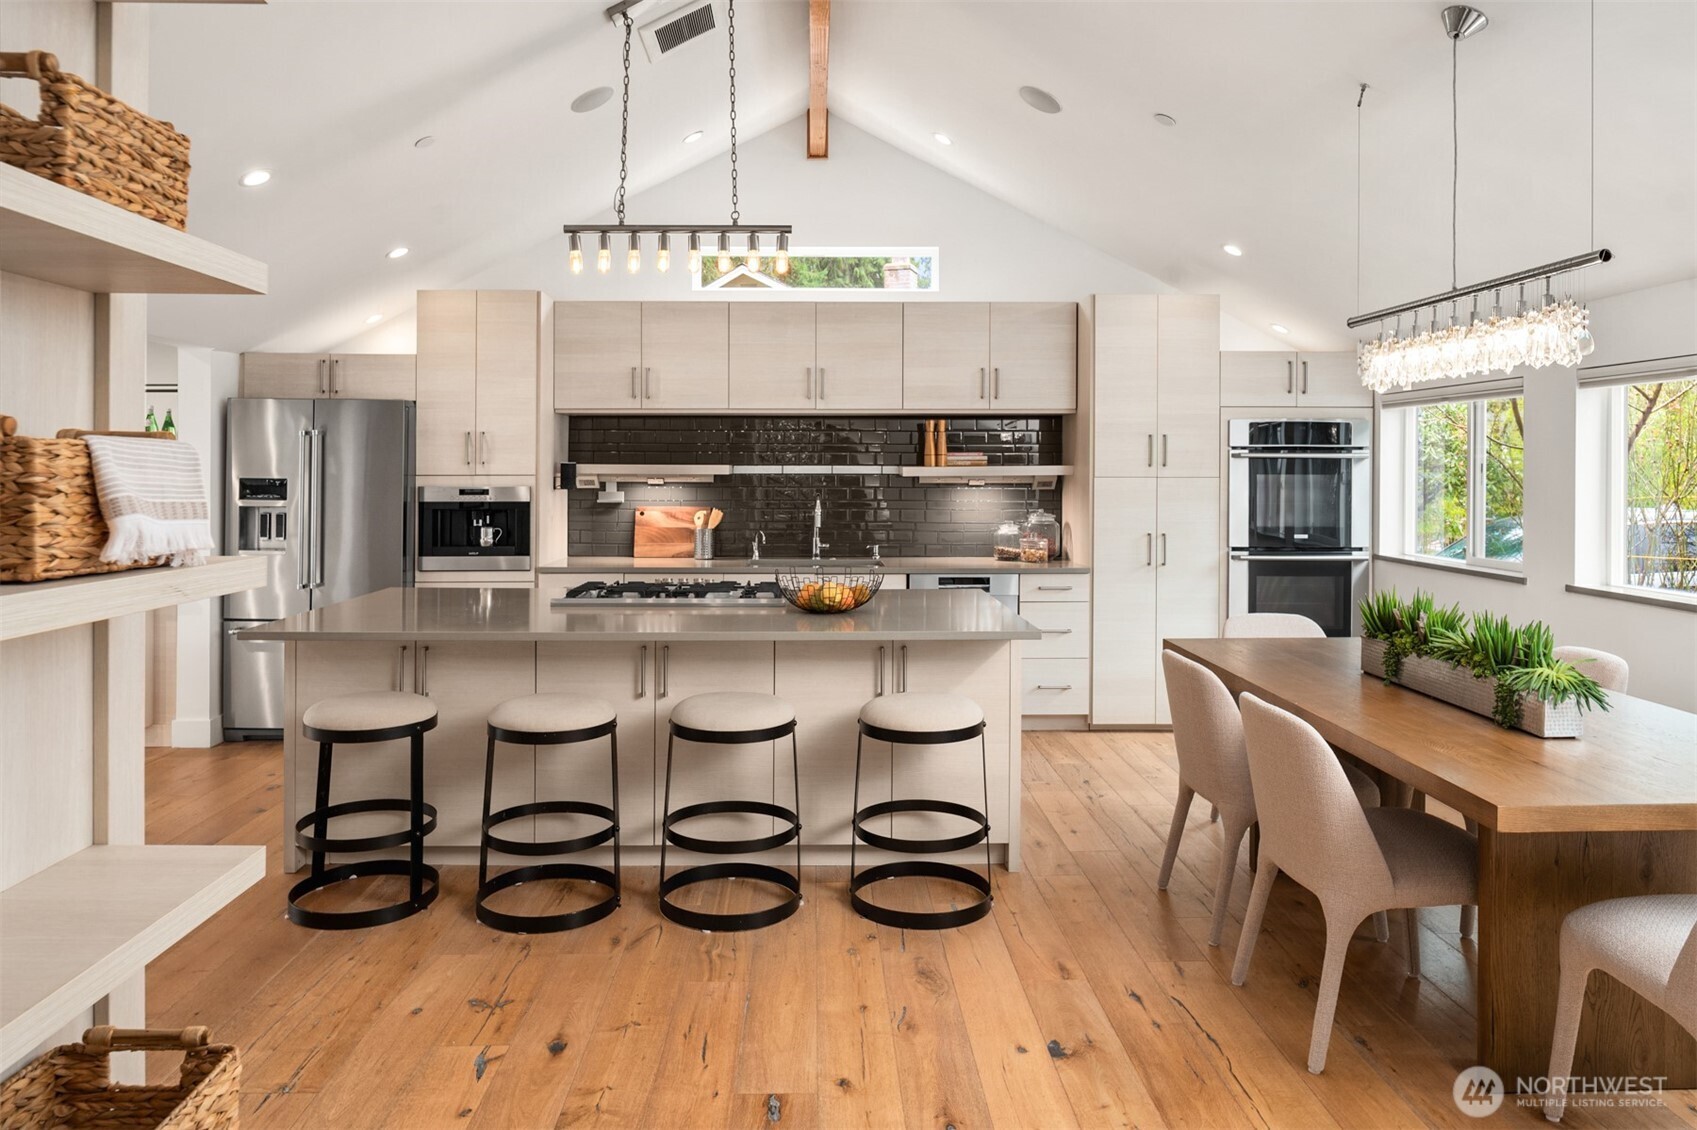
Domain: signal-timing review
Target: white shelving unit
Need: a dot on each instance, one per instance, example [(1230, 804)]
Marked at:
[(76, 931), (47, 606)]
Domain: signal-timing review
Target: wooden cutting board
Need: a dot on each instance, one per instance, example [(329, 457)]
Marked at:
[(665, 531)]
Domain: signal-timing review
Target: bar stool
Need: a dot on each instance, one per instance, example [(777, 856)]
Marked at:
[(349, 719), (537, 720), (913, 718), (731, 718)]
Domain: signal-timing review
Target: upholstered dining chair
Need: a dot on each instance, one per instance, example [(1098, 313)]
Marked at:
[(1286, 625), (1356, 861), (1609, 670), (1208, 735), (1648, 943)]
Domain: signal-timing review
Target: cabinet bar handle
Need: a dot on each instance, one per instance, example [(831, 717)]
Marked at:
[(424, 670), (323, 377), (881, 653), (1054, 686), (1290, 377), (1163, 449), (483, 447), (635, 391), (1054, 588), (642, 673), (400, 667), (983, 386), (1149, 549), (1163, 550), (821, 383), (996, 383), (665, 669), (1151, 449), (1056, 631), (810, 382), (1305, 378), (902, 685), (335, 368), (468, 449), (647, 384)]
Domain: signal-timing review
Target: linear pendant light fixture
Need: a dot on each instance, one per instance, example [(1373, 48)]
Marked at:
[(1554, 332), (631, 235)]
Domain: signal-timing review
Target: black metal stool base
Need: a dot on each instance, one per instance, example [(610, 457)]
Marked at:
[(748, 920), (547, 923), (361, 919), (308, 842), (550, 847), (979, 833), (920, 919)]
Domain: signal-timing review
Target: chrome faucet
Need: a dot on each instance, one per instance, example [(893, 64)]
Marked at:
[(759, 540), (818, 520)]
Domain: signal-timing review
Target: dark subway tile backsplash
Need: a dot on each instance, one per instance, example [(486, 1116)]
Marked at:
[(903, 516)]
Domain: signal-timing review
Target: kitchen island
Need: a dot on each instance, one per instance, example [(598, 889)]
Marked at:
[(470, 649)]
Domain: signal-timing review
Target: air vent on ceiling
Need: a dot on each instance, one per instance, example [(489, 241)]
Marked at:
[(667, 33)]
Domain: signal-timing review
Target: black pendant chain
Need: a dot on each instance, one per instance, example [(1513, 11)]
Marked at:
[(624, 131), (731, 35)]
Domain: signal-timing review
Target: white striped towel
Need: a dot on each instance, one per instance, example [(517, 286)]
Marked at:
[(153, 500)]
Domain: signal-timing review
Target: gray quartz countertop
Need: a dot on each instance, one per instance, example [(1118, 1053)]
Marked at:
[(525, 616), (683, 566)]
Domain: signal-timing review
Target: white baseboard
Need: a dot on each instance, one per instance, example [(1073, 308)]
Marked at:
[(197, 733), (1055, 722)]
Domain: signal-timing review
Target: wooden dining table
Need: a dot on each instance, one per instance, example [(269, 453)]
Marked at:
[(1562, 822)]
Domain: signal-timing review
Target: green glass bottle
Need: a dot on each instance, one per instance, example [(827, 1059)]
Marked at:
[(152, 424), (170, 425)]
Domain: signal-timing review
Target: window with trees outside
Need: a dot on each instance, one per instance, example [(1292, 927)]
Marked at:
[(1467, 481), (1655, 524), (836, 268)]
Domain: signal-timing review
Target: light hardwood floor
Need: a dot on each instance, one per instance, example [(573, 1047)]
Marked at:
[(1087, 998)]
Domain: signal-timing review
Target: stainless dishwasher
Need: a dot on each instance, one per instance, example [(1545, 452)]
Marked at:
[(1002, 586)]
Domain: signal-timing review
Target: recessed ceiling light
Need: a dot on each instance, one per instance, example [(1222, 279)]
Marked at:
[(1040, 99), (253, 178), (374, 319), (424, 142), (1166, 119), (1278, 329), (694, 136), (398, 252), (591, 100), (1231, 249), (943, 139)]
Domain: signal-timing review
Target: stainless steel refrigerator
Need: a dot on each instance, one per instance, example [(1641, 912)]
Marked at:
[(320, 489)]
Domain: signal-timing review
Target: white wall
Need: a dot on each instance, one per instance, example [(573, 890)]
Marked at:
[(867, 194), (1659, 643)]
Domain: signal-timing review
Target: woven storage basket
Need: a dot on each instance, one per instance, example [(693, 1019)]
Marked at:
[(87, 140), (50, 523), (71, 1086), (1459, 687)]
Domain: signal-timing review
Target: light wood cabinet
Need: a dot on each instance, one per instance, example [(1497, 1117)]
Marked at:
[(946, 356), (715, 772), (981, 672), (467, 681), (447, 382), (1034, 356), (1331, 380), (1189, 559), (858, 352), (1266, 378), (624, 675), (827, 685), (374, 376), (1126, 417), (685, 362), (598, 355), (288, 376), (1187, 379), (1123, 645), (478, 367), (315, 376), (772, 356)]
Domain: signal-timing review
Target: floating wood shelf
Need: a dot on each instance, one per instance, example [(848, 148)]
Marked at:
[(47, 606), (72, 933), (647, 472), (52, 233), (1047, 473)]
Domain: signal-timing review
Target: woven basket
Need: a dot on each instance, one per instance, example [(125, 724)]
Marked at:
[(71, 1086), (1460, 687), (87, 140), (50, 523)]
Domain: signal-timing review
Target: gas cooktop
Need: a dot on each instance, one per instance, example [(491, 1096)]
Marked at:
[(711, 593)]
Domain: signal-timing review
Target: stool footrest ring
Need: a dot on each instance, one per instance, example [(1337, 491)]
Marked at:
[(750, 920), (922, 847), (547, 923), (920, 919), (360, 919), (550, 847), (732, 847), (307, 841)]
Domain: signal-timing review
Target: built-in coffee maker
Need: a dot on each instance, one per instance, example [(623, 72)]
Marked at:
[(473, 529)]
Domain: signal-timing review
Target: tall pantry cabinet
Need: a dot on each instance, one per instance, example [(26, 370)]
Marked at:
[(478, 353), (1155, 494)]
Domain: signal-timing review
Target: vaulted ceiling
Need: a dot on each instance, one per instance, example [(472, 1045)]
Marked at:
[(1265, 152)]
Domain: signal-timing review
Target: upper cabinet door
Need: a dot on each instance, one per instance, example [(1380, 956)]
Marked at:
[(946, 351), (1187, 349), (597, 355), (1256, 378), (508, 322), (447, 381), (1331, 380), (288, 376), (1127, 426), (685, 347), (374, 376), (858, 351), (1034, 356), (771, 357)]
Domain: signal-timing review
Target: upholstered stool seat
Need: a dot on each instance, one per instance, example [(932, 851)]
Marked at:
[(354, 719), (909, 719), (731, 718), (549, 720)]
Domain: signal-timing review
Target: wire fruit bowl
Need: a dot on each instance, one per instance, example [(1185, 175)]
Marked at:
[(816, 590)]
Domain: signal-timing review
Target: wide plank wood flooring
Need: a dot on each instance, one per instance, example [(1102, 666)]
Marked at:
[(1088, 998)]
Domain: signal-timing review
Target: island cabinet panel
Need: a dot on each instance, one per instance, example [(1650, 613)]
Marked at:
[(828, 684), (714, 772), (624, 675), (983, 673), (377, 769), (467, 681)]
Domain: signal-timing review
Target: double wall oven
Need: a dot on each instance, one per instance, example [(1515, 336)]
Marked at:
[(1300, 514)]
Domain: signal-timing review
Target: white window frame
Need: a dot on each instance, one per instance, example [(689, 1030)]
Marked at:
[(1614, 502), (1475, 488), (931, 253)]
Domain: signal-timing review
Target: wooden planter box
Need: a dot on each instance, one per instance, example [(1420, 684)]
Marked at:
[(1460, 687)]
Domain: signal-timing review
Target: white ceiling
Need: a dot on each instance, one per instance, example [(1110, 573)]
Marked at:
[(332, 95)]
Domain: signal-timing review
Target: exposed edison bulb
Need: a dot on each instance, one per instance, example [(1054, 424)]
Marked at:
[(604, 255), (724, 253), (694, 253), (633, 260), (754, 251), (576, 256), (663, 254), (781, 261)]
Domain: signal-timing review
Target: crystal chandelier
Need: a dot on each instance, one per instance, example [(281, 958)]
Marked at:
[(632, 234), (1554, 332)]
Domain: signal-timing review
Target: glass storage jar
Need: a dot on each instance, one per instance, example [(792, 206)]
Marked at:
[(1042, 525), (1006, 544)]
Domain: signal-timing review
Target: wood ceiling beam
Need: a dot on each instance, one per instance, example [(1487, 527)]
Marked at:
[(818, 62)]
